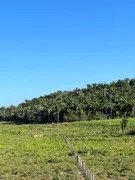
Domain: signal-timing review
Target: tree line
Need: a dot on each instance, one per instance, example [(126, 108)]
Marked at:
[(96, 101)]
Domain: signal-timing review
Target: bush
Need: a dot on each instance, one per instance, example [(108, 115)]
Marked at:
[(131, 132), (99, 115), (75, 117), (124, 123)]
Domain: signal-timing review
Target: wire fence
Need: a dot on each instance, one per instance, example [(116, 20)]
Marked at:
[(89, 175)]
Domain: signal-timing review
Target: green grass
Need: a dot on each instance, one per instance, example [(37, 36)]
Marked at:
[(24, 156), (38, 151), (107, 157)]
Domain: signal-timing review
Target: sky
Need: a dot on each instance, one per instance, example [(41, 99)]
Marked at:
[(50, 45)]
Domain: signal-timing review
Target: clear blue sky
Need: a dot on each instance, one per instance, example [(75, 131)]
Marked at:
[(50, 45)]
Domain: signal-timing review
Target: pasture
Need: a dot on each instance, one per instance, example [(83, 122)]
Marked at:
[(38, 151)]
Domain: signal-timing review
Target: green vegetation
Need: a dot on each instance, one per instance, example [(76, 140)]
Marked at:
[(124, 123), (39, 152), (34, 152), (97, 101), (107, 157)]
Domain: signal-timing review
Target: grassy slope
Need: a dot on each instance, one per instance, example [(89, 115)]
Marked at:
[(108, 157), (24, 156)]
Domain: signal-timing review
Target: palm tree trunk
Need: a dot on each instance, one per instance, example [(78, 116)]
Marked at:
[(48, 116), (111, 112), (133, 111), (110, 127), (58, 116)]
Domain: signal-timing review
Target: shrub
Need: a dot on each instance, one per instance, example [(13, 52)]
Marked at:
[(99, 115), (131, 132), (124, 123)]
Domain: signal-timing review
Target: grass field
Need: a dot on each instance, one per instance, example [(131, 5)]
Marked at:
[(26, 155), (38, 152)]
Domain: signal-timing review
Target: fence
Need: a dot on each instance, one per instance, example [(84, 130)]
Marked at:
[(87, 172)]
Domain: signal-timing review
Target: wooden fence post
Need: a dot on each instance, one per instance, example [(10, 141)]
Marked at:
[(88, 174)]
